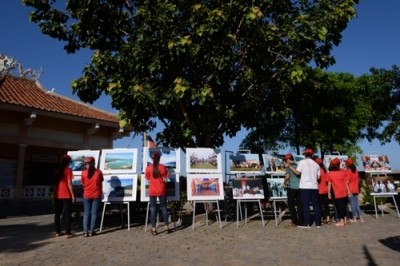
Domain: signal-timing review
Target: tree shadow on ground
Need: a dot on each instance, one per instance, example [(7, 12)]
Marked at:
[(392, 242)]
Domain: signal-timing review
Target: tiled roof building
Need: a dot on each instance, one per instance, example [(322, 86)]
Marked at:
[(38, 126), (28, 94)]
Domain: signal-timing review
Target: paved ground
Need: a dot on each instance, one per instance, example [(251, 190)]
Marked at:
[(30, 240)]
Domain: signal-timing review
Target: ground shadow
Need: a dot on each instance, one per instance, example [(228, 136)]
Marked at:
[(368, 256), (392, 242), (24, 237)]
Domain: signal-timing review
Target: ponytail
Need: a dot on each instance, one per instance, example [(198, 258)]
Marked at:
[(156, 170)]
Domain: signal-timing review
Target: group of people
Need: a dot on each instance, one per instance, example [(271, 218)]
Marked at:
[(310, 182), (92, 182)]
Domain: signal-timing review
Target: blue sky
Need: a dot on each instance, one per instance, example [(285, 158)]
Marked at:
[(371, 40)]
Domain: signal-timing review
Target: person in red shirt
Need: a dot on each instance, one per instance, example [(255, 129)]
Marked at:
[(63, 195), (337, 178), (92, 182), (157, 176), (354, 187), (323, 193)]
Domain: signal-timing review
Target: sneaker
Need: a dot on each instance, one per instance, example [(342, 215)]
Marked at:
[(318, 226), (303, 226)]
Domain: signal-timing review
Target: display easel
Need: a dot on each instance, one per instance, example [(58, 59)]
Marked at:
[(383, 195), (206, 202), (239, 210), (147, 216), (122, 218), (277, 212), (278, 218)]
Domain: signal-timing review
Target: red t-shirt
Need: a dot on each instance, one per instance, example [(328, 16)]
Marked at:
[(338, 180), (323, 184), (61, 190), (353, 182), (157, 185), (92, 187)]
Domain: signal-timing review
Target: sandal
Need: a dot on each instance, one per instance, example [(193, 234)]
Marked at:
[(167, 230), (153, 231)]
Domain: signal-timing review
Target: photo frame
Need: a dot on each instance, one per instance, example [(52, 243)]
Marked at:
[(382, 184), (120, 187), (172, 188), (203, 160), (298, 158), (170, 157), (376, 163), (77, 188), (244, 163), (273, 163), (114, 161), (275, 189), (247, 188), (205, 187), (78, 159), (342, 158)]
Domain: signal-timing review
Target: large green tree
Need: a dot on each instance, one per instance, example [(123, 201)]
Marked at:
[(204, 69), (385, 123), (333, 112)]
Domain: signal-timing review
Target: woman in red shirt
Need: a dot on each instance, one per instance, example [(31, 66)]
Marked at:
[(323, 193), (92, 182), (63, 195), (157, 176), (337, 179), (354, 187)]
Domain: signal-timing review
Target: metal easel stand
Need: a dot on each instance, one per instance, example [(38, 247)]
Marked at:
[(278, 218), (239, 210), (206, 202), (122, 218), (147, 216), (383, 195)]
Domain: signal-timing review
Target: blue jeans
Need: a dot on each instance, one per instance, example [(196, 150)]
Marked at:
[(90, 207), (355, 208), (307, 196), (153, 210)]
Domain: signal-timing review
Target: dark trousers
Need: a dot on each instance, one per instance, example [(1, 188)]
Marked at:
[(63, 207), (295, 206), (307, 196), (324, 204), (341, 205)]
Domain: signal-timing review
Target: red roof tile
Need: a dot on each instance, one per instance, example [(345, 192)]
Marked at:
[(28, 93)]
